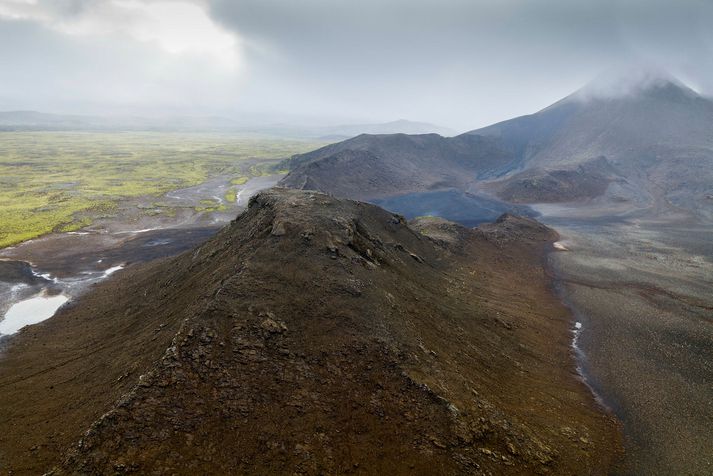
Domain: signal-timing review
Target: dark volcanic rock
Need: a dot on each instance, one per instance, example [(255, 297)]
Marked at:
[(585, 181)]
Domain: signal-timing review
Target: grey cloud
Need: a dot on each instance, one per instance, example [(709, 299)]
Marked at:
[(48, 71), (461, 63), (484, 60)]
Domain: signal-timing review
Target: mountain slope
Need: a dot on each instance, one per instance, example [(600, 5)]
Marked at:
[(317, 336), (658, 137), (663, 115), (375, 166), (650, 146)]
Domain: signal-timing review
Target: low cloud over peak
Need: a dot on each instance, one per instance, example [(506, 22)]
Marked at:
[(631, 79)]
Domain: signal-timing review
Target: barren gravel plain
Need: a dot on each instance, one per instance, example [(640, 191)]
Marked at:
[(641, 290)]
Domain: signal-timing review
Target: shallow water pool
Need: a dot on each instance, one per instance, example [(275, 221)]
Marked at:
[(30, 311)]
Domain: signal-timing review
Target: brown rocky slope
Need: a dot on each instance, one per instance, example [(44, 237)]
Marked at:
[(312, 336)]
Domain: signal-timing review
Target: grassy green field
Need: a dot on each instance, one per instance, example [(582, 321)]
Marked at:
[(59, 181)]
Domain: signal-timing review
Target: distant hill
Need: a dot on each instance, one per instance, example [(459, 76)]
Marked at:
[(649, 145), (346, 131), (401, 126), (39, 121), (33, 120)]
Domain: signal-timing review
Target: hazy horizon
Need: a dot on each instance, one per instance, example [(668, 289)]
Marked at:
[(458, 64)]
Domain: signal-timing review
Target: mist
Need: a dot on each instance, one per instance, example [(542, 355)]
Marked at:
[(460, 64)]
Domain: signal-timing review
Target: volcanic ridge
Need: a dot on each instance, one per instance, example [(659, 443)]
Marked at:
[(313, 335)]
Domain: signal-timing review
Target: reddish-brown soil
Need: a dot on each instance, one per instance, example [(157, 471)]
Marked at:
[(312, 336)]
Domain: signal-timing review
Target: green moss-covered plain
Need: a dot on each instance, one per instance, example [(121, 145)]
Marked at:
[(58, 181)]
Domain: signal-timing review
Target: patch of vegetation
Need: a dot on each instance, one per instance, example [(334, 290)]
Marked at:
[(212, 207), (75, 225), (230, 195), (60, 181), (240, 180), (261, 169)]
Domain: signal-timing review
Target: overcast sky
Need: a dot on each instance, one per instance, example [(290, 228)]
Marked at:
[(457, 63)]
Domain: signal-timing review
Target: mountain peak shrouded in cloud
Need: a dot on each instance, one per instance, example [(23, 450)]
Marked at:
[(458, 63), (632, 80)]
